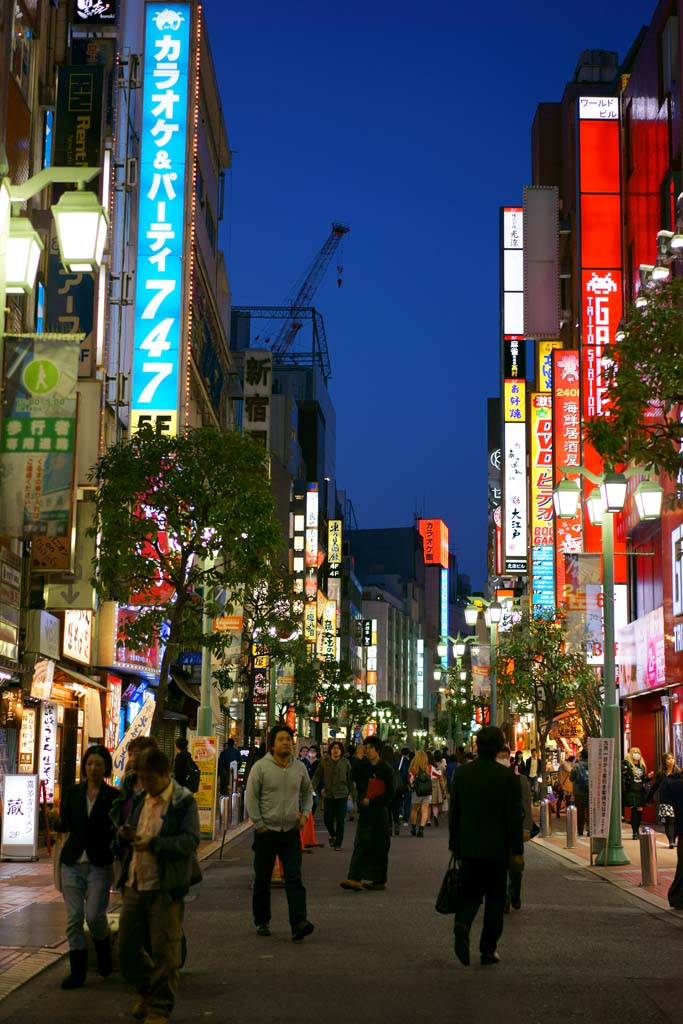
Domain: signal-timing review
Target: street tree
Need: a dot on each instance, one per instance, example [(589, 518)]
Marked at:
[(538, 671), (643, 380), (179, 519)]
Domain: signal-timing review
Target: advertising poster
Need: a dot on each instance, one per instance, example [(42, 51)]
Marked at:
[(38, 435), (204, 750), (600, 775)]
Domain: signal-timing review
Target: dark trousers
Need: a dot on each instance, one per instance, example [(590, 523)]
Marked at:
[(334, 813), (370, 858), (406, 800), (675, 892), (484, 880), (396, 805), (287, 846), (581, 802), (514, 892), (636, 819), (150, 946)]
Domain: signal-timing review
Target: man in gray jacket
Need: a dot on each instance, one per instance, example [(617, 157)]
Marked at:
[(279, 800)]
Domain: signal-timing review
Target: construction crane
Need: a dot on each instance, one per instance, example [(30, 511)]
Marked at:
[(293, 324)]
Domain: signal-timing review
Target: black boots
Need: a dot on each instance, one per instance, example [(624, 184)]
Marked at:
[(413, 830), (78, 959), (105, 963)]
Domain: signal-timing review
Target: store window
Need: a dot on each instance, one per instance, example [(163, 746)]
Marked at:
[(23, 50)]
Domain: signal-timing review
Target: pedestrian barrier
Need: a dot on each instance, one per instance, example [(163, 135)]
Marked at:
[(545, 819), (571, 826), (648, 857)]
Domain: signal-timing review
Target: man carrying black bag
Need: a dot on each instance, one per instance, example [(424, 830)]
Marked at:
[(486, 836)]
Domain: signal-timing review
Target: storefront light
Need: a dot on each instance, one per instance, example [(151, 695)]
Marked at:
[(81, 229), (24, 246)]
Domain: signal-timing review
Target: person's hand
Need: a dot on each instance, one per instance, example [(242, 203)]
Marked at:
[(516, 862), (301, 821), (263, 828), (365, 802), (127, 833), (141, 842)]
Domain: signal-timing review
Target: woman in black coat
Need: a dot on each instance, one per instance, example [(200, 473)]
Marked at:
[(86, 863)]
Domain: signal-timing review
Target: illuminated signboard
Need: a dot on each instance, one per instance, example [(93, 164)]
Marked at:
[(514, 401), (27, 742), (541, 469), (48, 747), (162, 221), (434, 533), (420, 677), (542, 578), (513, 271), (566, 452), (76, 643), (258, 391), (544, 365), (95, 12), (334, 547), (444, 611), (600, 256), (515, 502), (20, 818)]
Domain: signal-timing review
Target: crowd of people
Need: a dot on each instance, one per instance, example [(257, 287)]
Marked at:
[(142, 837)]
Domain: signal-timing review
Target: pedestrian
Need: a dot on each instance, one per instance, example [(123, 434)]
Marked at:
[(228, 761), (86, 864), (515, 875), (533, 773), (403, 765), (579, 779), (519, 762), (357, 759), (665, 812), (182, 761), (370, 859), (438, 787), (671, 792), (311, 763), (450, 768), (633, 780), (279, 800), (161, 838), (486, 837), (420, 782), (389, 757), (333, 776), (130, 784), (565, 789)]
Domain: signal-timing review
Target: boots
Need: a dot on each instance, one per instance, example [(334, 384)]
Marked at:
[(413, 830), (78, 959), (420, 832), (105, 964)]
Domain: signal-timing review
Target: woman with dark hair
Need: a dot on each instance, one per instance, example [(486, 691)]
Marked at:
[(665, 812), (86, 863), (333, 776)]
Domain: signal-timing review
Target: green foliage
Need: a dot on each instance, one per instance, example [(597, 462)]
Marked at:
[(194, 512), (646, 368), (537, 671)]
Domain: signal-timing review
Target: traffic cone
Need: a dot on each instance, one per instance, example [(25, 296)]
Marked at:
[(277, 877), (308, 836)]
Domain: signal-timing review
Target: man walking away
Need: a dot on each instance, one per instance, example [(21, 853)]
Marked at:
[(279, 801), (403, 766), (485, 820), (671, 792), (182, 762), (229, 756), (579, 778), (374, 779), (159, 866)]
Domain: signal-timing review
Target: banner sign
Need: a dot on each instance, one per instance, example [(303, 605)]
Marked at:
[(159, 312), (515, 503), (600, 776), (48, 748), (38, 435), (258, 390), (566, 452), (334, 548), (140, 726)]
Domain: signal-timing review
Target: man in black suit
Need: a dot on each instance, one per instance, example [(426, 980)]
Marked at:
[(486, 819)]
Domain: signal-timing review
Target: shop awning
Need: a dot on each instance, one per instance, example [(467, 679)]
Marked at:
[(65, 676), (190, 690)]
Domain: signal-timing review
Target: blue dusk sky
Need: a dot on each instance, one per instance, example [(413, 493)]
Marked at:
[(412, 124)]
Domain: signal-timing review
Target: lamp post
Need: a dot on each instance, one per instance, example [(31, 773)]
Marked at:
[(420, 734), (457, 694), (608, 497), (493, 613)]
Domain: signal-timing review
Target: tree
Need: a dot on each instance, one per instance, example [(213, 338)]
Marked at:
[(537, 670), (330, 688), (178, 517), (644, 386)]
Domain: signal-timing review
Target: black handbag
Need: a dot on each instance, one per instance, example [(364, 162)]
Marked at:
[(450, 893)]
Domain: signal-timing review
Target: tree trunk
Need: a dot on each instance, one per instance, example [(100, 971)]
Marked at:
[(162, 689)]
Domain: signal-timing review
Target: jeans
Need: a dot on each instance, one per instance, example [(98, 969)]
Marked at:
[(484, 880), (406, 799), (535, 789), (335, 815), (150, 921), (287, 846), (85, 889)]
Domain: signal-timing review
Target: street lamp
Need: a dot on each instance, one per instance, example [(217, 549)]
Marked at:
[(420, 734), (604, 501)]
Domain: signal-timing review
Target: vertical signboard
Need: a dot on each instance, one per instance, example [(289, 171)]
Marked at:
[(541, 502), (544, 365), (258, 390), (334, 548), (20, 818), (566, 452), (434, 533), (205, 752), (159, 313), (420, 675), (600, 776), (38, 434), (48, 748), (311, 563), (495, 489), (27, 742), (512, 259), (515, 500), (541, 261), (600, 256)]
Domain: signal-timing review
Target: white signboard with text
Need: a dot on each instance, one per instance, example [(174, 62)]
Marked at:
[(20, 818), (600, 776)]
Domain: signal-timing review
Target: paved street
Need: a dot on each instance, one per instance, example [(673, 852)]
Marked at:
[(579, 947)]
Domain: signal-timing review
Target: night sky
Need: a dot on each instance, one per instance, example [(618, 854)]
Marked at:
[(411, 123)]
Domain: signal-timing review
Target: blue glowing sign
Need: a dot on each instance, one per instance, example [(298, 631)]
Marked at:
[(543, 578), (161, 224)]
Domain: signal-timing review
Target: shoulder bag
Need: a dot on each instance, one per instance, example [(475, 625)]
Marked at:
[(450, 893)]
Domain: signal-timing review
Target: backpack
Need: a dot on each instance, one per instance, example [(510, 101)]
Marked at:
[(193, 776), (579, 776), (422, 785)]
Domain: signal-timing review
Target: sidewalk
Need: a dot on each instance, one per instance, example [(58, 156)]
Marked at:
[(628, 877), (33, 916)]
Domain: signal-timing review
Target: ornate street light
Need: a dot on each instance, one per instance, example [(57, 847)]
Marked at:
[(24, 247), (81, 230)]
